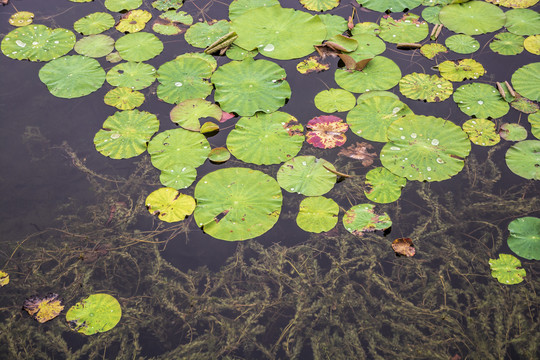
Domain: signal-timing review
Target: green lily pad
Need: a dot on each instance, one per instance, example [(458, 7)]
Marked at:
[(481, 132), (523, 158), (201, 56), (372, 116), (72, 76), (164, 5), (21, 18), (235, 52), (326, 131), (408, 29), (368, 47), (514, 3), (184, 78), (239, 7), (178, 147), (94, 23), (121, 5), (334, 100), (169, 204), (134, 75), (317, 214), (431, 88), (140, 46), (524, 105), (344, 43), (472, 17), (513, 132), (534, 120), (532, 44), (462, 44), (367, 28), (209, 128), (310, 65), (167, 23), (307, 175), (461, 70), (507, 44), (124, 98), (247, 86), (319, 5), (126, 133), (524, 239), (431, 14), (202, 34), (526, 81), (219, 155), (266, 138), (95, 46), (335, 24), (237, 204), (37, 43), (384, 186), (425, 148), (178, 176), (114, 57), (361, 219), (133, 21), (523, 22), (481, 101), (188, 112), (389, 5), (277, 32), (431, 50), (97, 313), (380, 73), (506, 269)]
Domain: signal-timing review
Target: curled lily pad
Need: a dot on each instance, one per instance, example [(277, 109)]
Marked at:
[(94, 23), (317, 214), (532, 44), (124, 98), (507, 270), (431, 50), (178, 147), (120, 5), (326, 131), (384, 186), (380, 73), (472, 17), (203, 34), (513, 132), (133, 21), (97, 313), (266, 138), (126, 133), (169, 204), (524, 239), (534, 120), (188, 112), (523, 158), (44, 308), (277, 32), (139, 46), (390, 5), (425, 148), (209, 128), (37, 43), (408, 29), (361, 219), (481, 132), (310, 65), (239, 7), (307, 175), (21, 18), (372, 116), (461, 70), (343, 43), (333, 100), (237, 204), (481, 101), (430, 88), (462, 44), (94, 45), (219, 155), (507, 44), (526, 81), (134, 75), (522, 21), (178, 176), (72, 76), (247, 86)]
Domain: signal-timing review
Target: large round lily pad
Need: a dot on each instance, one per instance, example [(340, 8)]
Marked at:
[(425, 148), (524, 237), (480, 100), (317, 214), (72, 76), (266, 138), (139, 46), (408, 29), (307, 175), (134, 75), (431, 88), (178, 147), (237, 203), (507, 270), (380, 73), (126, 133), (361, 219), (94, 23), (390, 5), (462, 44), (247, 86), (523, 159), (384, 186), (277, 32), (169, 204), (526, 81), (97, 313), (472, 17)]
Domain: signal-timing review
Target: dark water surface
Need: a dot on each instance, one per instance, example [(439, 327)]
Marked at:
[(74, 223)]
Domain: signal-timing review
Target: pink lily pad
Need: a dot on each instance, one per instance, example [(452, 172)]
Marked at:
[(326, 132)]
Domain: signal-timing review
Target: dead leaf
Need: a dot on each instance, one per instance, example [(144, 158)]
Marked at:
[(403, 247), (360, 151)]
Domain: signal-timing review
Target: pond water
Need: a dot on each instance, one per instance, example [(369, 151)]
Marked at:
[(74, 223)]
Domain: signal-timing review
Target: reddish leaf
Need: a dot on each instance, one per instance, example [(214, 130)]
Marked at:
[(226, 116), (403, 247), (327, 131), (360, 151)]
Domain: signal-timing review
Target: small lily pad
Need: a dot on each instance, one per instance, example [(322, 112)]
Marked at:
[(124, 98), (44, 308), (524, 239), (513, 132), (431, 50), (326, 131), (431, 14), (534, 120), (408, 29), (178, 147), (526, 81), (235, 52), (134, 75), (523, 158), (169, 204), (133, 21), (4, 278), (307, 175), (431, 88), (310, 65), (334, 100), (219, 155), (95, 46), (383, 186), (380, 73), (317, 214), (178, 176), (168, 22), (403, 247), (164, 5), (361, 219), (139, 46), (188, 112), (203, 34), (532, 44), (97, 313), (462, 44), (120, 5), (480, 100), (209, 128), (481, 132), (319, 5), (461, 70), (507, 44), (507, 270), (94, 23), (21, 18), (524, 105)]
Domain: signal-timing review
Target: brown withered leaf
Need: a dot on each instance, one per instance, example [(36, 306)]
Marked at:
[(360, 151), (352, 64), (325, 50), (403, 247)]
